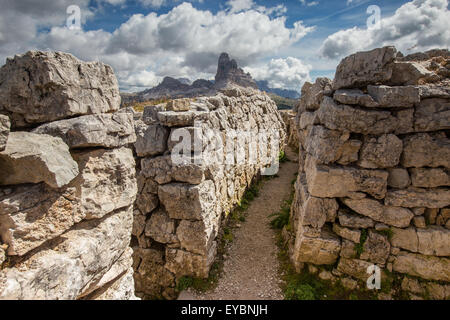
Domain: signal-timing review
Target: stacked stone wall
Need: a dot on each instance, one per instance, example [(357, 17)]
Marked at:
[(180, 206), (374, 184), (67, 181)]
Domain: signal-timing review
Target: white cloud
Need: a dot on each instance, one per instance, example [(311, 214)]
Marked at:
[(289, 73), (240, 5), (311, 3), (419, 24), (185, 42)]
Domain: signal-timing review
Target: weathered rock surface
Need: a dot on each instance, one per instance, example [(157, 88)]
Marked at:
[(430, 178), (363, 68), (418, 198), (355, 97), (312, 94), (321, 250), (5, 125), (151, 140), (331, 146), (161, 228), (83, 256), (398, 178), (391, 97), (355, 268), (39, 87), (394, 216), (34, 158), (426, 150), (183, 263), (347, 118), (107, 181), (376, 248), (191, 202), (381, 152), (432, 115), (354, 221), (163, 170), (427, 267), (100, 130), (335, 182)]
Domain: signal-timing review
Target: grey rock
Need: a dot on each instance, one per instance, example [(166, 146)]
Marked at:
[(381, 152), (354, 97), (100, 130), (363, 68), (432, 115), (39, 87), (151, 139), (34, 158), (347, 118), (426, 150), (391, 97)]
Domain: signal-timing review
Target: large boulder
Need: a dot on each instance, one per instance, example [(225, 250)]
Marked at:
[(100, 130), (68, 268), (31, 215), (5, 125), (34, 158), (39, 87), (363, 68)]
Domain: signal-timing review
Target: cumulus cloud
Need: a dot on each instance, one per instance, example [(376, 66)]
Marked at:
[(289, 73), (184, 42), (417, 25)]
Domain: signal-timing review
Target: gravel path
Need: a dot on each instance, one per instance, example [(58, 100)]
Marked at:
[(251, 263)]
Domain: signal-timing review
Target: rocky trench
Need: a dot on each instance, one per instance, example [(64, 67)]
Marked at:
[(92, 205)]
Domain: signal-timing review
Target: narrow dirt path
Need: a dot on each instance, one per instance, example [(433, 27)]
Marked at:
[(251, 267)]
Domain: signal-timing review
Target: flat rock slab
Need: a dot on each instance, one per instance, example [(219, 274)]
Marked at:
[(39, 87), (34, 158), (100, 130)]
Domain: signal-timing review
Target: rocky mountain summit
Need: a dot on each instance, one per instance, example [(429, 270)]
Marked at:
[(228, 75)]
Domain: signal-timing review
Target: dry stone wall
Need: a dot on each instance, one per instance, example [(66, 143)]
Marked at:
[(180, 206), (67, 181), (373, 185)]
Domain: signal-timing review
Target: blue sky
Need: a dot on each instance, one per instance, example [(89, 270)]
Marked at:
[(284, 42)]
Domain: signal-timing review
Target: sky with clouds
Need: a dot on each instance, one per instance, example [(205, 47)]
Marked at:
[(284, 42)]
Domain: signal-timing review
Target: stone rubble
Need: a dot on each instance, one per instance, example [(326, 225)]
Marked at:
[(377, 144)]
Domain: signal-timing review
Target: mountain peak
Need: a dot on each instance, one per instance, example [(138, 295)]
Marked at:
[(228, 73)]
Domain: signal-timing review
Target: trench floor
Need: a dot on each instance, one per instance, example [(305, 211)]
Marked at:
[(251, 268)]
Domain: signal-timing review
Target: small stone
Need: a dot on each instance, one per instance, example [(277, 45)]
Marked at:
[(349, 234), (419, 222), (349, 283), (398, 178)]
